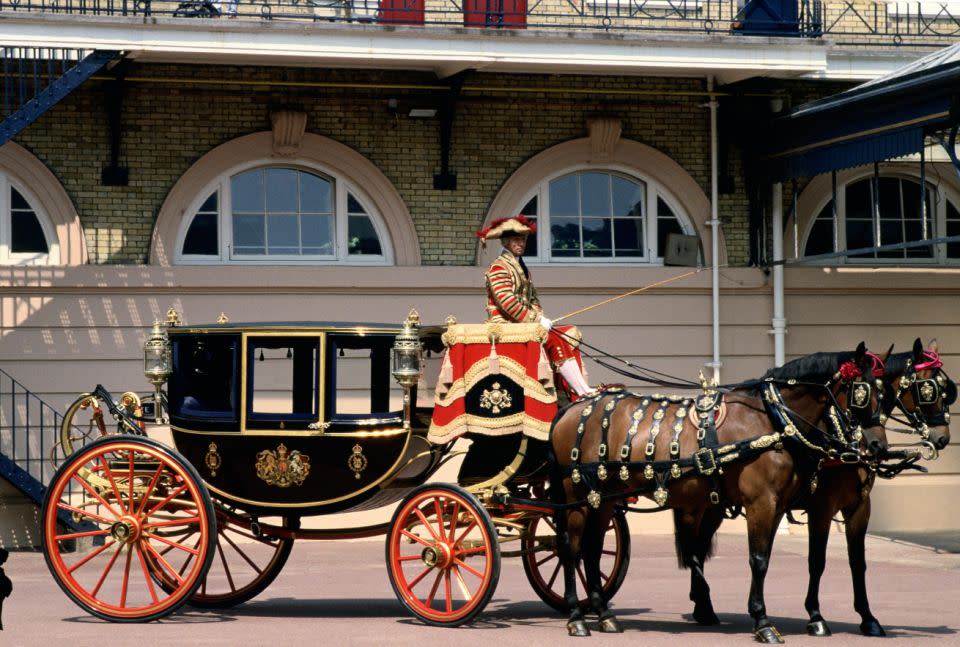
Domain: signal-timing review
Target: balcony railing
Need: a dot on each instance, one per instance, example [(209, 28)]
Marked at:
[(886, 22)]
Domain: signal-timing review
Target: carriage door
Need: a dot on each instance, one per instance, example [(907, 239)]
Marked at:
[(282, 381), (359, 384)]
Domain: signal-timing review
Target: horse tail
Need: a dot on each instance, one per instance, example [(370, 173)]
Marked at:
[(689, 543)]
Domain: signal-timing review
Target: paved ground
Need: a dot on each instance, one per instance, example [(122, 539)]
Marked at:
[(338, 594)]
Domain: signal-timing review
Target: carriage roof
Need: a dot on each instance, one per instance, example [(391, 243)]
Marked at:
[(356, 327)]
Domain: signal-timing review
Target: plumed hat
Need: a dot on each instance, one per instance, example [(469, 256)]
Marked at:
[(515, 226)]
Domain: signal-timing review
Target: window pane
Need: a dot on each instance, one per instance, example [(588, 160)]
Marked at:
[(858, 201), (595, 195), (953, 229), (316, 232), (202, 236), (353, 205), (26, 234), (628, 235), (530, 211), (281, 185), (248, 234), (596, 237), (246, 192), (564, 200), (667, 223), (891, 233), (914, 232), (210, 205), (315, 194), (362, 237), (859, 234), (820, 240), (282, 233), (565, 237), (628, 197)]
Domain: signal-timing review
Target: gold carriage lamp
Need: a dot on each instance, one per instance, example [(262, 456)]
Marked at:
[(407, 356), (157, 362)]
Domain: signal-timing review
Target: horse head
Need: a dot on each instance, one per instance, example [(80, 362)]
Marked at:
[(859, 389), (922, 391)]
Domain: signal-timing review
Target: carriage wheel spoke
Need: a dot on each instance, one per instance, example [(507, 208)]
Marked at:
[(167, 500), (416, 538), (86, 513), (130, 481), (181, 537), (553, 576), (433, 589), (186, 562), (426, 523), (547, 559), (409, 558), (174, 522), (172, 545), (89, 533), (223, 560), (241, 553), (90, 556), (454, 519), (609, 552), (448, 591), (472, 551), (164, 563), (113, 484), (146, 574), (126, 577), (463, 585), (604, 577), (417, 579), (150, 489), (468, 569), (106, 570), (86, 486), (438, 510), (466, 531)]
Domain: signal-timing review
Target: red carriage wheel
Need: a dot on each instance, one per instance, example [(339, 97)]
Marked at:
[(244, 565), (442, 555), (544, 571), (124, 496)]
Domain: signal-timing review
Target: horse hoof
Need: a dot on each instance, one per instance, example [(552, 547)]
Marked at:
[(705, 617), (610, 625), (872, 628), (818, 628), (577, 628), (768, 635)]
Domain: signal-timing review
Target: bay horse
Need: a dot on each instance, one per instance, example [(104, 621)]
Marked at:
[(915, 384), (606, 448)]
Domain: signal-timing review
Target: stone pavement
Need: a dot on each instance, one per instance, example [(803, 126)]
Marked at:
[(337, 593)]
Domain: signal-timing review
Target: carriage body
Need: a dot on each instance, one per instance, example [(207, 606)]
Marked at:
[(297, 418)]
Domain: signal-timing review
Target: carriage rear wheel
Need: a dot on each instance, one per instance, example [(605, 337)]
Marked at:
[(246, 562), (108, 514), (443, 558), (544, 570)]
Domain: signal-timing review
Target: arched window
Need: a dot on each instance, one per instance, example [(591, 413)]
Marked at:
[(27, 236), (887, 212), (601, 215), (262, 213)]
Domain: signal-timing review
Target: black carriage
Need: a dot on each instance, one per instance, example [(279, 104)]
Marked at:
[(272, 423)]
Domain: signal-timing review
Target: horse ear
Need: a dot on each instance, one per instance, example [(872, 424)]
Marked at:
[(917, 349), (933, 346), (885, 356), (861, 351)]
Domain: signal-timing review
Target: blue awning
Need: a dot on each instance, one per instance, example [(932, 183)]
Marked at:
[(879, 120)]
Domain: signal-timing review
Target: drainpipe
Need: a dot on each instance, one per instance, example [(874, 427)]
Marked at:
[(779, 322), (714, 223)]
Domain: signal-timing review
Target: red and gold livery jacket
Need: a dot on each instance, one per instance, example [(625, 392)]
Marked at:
[(511, 296)]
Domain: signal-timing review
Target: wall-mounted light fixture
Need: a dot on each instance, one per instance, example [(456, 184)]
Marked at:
[(422, 113)]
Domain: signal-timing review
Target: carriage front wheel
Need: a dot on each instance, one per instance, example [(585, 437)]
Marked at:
[(443, 558), (116, 510), (544, 570)]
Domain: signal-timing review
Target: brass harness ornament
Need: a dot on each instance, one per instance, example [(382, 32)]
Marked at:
[(282, 468)]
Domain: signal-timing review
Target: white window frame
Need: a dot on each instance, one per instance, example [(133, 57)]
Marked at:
[(341, 188), (652, 191), (7, 257), (939, 218)]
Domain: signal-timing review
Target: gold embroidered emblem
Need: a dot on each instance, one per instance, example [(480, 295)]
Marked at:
[(593, 499), (602, 472), (575, 476), (860, 395), (496, 399), (357, 461), (660, 496), (282, 468), (624, 473), (648, 472), (926, 392), (675, 470), (212, 460)]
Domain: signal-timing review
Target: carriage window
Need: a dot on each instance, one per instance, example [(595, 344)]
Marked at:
[(282, 376), (361, 381), (203, 383)]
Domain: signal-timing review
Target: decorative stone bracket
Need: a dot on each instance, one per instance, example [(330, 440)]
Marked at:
[(604, 133), (288, 129)]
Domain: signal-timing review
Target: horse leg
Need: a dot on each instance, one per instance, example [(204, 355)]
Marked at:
[(762, 521), (818, 529), (568, 548), (703, 611), (596, 526), (857, 517)]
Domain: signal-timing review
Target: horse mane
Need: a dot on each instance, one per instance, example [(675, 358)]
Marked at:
[(818, 366), (896, 364)]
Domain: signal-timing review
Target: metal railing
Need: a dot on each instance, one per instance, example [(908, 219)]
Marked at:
[(884, 22), (29, 430)]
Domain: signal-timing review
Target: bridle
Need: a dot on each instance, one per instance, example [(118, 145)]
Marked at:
[(925, 392)]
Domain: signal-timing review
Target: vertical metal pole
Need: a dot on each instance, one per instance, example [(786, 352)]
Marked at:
[(836, 224), (779, 321), (877, 238), (923, 190), (715, 229), (796, 225)]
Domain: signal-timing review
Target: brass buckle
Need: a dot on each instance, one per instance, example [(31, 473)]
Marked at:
[(707, 467), (849, 457), (715, 497)]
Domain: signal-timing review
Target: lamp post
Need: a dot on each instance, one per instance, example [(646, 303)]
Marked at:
[(157, 363), (407, 356)]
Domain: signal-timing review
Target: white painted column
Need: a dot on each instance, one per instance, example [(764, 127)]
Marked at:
[(779, 321), (714, 223)]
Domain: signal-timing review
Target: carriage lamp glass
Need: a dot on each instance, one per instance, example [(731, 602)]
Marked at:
[(407, 352), (157, 361)]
